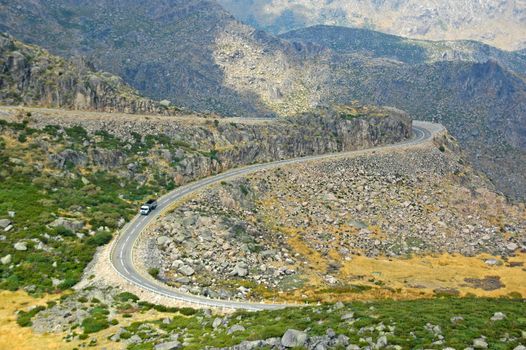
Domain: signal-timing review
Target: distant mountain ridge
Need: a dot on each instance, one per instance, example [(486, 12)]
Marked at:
[(377, 44), (501, 23)]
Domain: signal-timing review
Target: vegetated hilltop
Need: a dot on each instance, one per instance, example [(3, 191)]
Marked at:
[(70, 179), (499, 23), (30, 75), (197, 55)]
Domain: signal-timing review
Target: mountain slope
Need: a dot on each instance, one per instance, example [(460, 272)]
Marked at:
[(198, 56), (31, 76), (501, 23), (163, 48)]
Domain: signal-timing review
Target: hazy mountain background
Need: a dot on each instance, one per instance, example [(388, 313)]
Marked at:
[(199, 56), (501, 23)]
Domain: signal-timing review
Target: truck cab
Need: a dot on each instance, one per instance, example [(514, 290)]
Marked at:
[(147, 207)]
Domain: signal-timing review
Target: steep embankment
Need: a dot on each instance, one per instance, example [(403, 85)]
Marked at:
[(30, 75)]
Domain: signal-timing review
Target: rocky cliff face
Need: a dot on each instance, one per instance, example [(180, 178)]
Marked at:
[(30, 75)]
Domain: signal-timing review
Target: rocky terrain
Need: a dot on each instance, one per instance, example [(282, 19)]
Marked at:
[(309, 227), (31, 76), (498, 23)]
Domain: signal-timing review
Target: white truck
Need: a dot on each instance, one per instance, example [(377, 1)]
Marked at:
[(147, 207)]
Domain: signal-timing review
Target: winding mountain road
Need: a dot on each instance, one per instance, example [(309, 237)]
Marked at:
[(121, 256)]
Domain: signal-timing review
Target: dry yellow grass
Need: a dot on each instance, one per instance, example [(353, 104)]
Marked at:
[(414, 278), (12, 336)]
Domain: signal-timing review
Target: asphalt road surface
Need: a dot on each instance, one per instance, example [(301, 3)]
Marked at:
[(121, 256)]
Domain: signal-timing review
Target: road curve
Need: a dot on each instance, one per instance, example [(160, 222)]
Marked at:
[(121, 255)]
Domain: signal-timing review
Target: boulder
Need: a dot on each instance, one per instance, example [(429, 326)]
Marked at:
[(70, 224), (217, 322), (480, 343), (347, 316), (235, 328), (293, 338), (4, 223), (163, 240), (512, 246), (165, 103), (172, 345), (241, 270), (20, 246), (381, 342), (186, 270), (6, 259), (498, 316)]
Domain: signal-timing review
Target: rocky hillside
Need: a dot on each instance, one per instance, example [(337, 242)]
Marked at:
[(499, 23), (32, 76), (70, 179), (324, 231)]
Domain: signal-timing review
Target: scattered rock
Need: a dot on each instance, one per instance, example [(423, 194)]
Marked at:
[(480, 343), (20, 246), (6, 260), (70, 224), (172, 345), (186, 270), (512, 246), (235, 328), (4, 223), (498, 316)]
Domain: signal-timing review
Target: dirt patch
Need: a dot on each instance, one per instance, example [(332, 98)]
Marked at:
[(487, 283)]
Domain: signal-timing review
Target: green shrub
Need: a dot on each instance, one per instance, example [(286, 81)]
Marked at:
[(100, 238), (22, 137), (94, 324), (62, 231), (154, 272), (24, 318), (126, 296), (187, 311)]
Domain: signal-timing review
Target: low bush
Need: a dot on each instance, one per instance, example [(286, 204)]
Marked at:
[(24, 318)]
